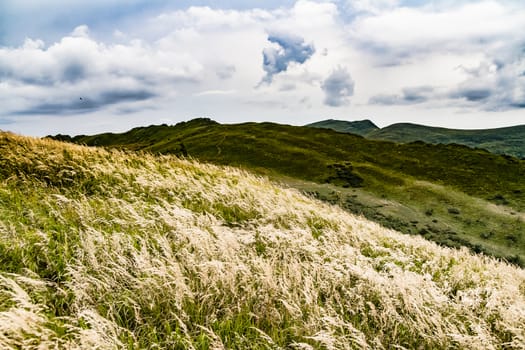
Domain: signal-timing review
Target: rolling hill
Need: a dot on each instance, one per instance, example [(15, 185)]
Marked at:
[(358, 127), (509, 140), (451, 194), (110, 249)]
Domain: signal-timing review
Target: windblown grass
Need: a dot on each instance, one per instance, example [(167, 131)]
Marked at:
[(107, 249), (378, 170)]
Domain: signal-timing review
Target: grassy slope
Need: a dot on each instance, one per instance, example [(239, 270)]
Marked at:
[(360, 127), (415, 188), (509, 140), (106, 249)]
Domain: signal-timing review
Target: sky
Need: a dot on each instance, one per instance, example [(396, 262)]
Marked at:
[(84, 67)]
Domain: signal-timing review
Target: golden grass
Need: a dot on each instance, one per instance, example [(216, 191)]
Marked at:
[(106, 249)]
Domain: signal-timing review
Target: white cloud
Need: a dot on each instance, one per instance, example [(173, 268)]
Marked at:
[(208, 61), (460, 28), (494, 85), (81, 32), (286, 50), (370, 6), (431, 45), (208, 19), (216, 50), (78, 66)]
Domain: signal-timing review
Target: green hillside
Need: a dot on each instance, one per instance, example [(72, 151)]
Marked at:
[(451, 194), (359, 127), (509, 140), (121, 250)]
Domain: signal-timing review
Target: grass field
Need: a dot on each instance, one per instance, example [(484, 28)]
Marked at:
[(114, 249), (451, 194)]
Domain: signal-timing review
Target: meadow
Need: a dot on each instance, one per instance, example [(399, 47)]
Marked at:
[(451, 194), (114, 249)]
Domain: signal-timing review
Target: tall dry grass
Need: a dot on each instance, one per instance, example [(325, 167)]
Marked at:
[(106, 249)]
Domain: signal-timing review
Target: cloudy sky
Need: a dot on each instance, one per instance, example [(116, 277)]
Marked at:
[(81, 67)]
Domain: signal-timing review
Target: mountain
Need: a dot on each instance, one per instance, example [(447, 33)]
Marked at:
[(451, 194), (359, 127), (508, 140), (109, 249)]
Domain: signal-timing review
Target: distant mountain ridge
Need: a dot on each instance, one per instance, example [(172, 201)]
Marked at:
[(506, 140), (358, 127)]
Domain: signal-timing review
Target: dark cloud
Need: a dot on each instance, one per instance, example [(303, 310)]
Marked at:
[(338, 87), (384, 99), (7, 73), (290, 49), (494, 85), (472, 94), (383, 55), (74, 72), (417, 94), (79, 105), (499, 64), (288, 87), (51, 108), (226, 72), (519, 105), (130, 109), (112, 97), (410, 95), (6, 121)]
